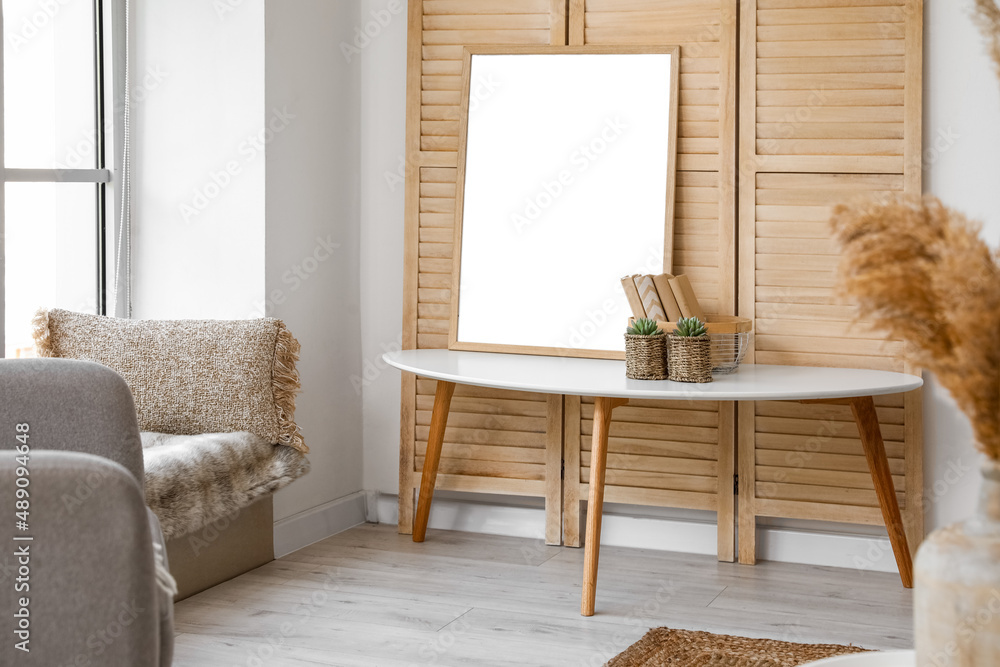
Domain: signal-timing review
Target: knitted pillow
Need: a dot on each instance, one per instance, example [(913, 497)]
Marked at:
[(190, 376)]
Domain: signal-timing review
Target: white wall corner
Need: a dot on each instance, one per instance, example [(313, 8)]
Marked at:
[(371, 506), (318, 523)]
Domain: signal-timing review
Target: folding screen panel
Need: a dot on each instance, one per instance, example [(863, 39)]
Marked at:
[(672, 454), (510, 443), (829, 108), (496, 441), (830, 111)]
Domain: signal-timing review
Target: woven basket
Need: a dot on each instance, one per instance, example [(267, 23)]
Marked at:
[(646, 357), (690, 358)]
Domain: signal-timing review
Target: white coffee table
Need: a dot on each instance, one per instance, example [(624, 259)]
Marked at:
[(605, 380)]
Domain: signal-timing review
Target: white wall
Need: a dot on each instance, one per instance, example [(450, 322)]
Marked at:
[(382, 64), (333, 172), (961, 165), (312, 202), (198, 190), (962, 105), (222, 113)]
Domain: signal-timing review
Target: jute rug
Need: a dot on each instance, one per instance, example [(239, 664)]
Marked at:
[(663, 646)]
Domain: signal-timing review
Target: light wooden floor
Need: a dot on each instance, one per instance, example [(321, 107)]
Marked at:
[(371, 597)]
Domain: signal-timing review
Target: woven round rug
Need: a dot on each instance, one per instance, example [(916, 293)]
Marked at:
[(663, 646)]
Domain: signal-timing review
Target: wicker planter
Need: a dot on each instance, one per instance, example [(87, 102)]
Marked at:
[(690, 358), (646, 357)]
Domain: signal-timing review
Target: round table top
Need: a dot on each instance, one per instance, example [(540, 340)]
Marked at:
[(603, 377)]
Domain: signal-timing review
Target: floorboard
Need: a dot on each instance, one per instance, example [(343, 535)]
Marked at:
[(370, 597)]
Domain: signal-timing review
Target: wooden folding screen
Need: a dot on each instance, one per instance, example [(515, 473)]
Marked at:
[(496, 441), (506, 442), (830, 111), (673, 454), (829, 107)]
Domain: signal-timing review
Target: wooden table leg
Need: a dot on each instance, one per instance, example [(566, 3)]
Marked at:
[(871, 438), (439, 419), (595, 505)]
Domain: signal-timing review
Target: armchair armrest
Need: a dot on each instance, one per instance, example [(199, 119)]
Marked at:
[(80, 586)]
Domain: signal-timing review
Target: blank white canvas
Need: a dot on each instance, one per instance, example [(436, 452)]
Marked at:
[(565, 193)]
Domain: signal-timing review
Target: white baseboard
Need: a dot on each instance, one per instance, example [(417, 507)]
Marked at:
[(302, 529), (831, 545)]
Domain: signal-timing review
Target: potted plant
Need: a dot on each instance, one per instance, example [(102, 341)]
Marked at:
[(645, 351), (921, 273), (690, 351)]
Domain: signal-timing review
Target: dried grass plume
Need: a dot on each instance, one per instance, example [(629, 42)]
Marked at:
[(986, 14), (921, 272)]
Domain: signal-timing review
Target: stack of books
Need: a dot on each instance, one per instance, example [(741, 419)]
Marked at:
[(664, 298)]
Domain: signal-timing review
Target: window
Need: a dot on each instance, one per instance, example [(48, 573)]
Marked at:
[(58, 140)]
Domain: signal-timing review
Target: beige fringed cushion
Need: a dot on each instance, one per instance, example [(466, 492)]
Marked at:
[(190, 376)]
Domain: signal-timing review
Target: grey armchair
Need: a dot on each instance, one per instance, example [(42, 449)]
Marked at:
[(90, 587)]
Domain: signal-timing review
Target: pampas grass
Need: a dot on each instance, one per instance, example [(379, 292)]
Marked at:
[(987, 17), (920, 271)]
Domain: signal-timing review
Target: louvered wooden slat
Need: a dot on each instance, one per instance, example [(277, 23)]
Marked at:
[(663, 464), (657, 435), (491, 7), (846, 446), (657, 497), (812, 62), (452, 450), (829, 495), (795, 460), (826, 4), (833, 105), (831, 90), (496, 441)]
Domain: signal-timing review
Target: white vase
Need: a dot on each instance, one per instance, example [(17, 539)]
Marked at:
[(956, 602)]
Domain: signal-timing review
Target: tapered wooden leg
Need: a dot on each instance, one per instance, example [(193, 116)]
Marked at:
[(871, 438), (435, 438), (595, 505)]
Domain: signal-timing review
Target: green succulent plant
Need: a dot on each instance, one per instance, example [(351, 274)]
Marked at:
[(644, 327), (690, 326)]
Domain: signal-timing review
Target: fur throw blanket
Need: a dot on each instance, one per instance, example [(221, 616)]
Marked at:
[(194, 480)]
